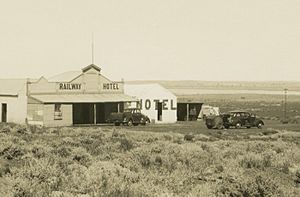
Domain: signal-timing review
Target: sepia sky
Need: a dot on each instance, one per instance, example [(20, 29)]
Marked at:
[(152, 39)]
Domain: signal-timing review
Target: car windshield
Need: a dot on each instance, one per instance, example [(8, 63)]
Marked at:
[(128, 110), (133, 110)]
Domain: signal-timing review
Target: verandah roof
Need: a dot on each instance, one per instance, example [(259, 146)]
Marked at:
[(83, 98)]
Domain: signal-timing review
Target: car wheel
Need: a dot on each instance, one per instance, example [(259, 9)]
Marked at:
[(259, 125), (238, 125), (220, 126), (209, 126), (130, 123)]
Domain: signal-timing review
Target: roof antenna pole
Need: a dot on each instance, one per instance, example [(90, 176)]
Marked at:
[(92, 48)]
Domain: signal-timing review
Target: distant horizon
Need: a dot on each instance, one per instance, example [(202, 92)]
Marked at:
[(162, 80), (291, 81)]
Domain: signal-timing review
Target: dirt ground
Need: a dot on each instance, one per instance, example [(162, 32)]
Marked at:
[(270, 131)]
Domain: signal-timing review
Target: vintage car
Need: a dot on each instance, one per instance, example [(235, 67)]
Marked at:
[(128, 117), (237, 119)]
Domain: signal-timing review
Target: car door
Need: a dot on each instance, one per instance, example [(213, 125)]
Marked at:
[(246, 118), (251, 119), (243, 118), (135, 116), (238, 117)]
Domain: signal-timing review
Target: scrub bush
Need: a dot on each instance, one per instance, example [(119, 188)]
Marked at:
[(21, 129), (62, 151), (4, 167), (189, 137), (126, 144), (81, 156), (255, 161), (258, 185), (297, 179), (13, 152), (114, 162), (5, 129)]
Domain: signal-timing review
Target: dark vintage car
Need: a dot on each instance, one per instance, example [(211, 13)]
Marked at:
[(128, 117), (235, 119)]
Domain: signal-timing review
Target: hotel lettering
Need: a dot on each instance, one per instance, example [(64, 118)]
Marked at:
[(110, 86), (69, 86)]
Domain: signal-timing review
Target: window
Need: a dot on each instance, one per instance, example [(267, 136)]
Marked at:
[(57, 112)]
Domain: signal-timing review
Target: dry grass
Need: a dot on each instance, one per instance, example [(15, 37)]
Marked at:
[(109, 161)]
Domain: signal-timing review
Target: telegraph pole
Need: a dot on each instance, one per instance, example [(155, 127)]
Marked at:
[(285, 121)]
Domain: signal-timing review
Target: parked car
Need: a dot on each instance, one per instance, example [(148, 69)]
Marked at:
[(237, 119), (128, 117)]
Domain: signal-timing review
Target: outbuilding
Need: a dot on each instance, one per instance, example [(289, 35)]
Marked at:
[(158, 103), (188, 107), (13, 100)]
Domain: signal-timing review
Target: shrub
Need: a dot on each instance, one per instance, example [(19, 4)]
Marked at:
[(81, 156), (158, 160), (167, 137), (189, 137), (116, 134), (21, 129), (38, 177), (4, 168), (62, 151), (297, 179), (39, 151), (13, 152), (126, 144), (5, 129), (249, 186), (256, 161)]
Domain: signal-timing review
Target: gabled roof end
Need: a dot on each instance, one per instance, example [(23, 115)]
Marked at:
[(91, 66)]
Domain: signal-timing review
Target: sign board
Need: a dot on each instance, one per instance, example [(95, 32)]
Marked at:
[(69, 86), (167, 104)]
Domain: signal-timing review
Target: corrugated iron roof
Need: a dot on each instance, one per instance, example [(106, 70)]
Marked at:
[(150, 90), (83, 98), (189, 99), (65, 77), (12, 87)]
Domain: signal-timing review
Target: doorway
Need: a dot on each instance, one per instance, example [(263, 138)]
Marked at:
[(100, 113), (103, 111), (159, 111), (4, 112), (83, 113)]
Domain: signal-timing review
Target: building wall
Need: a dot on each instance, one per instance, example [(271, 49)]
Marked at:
[(67, 115), (90, 81), (35, 113), (149, 95), (16, 108), (149, 107)]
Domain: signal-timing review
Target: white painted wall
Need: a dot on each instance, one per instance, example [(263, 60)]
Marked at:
[(149, 94), (17, 104), (16, 108)]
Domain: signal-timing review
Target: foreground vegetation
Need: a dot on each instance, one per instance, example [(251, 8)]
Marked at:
[(122, 161)]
